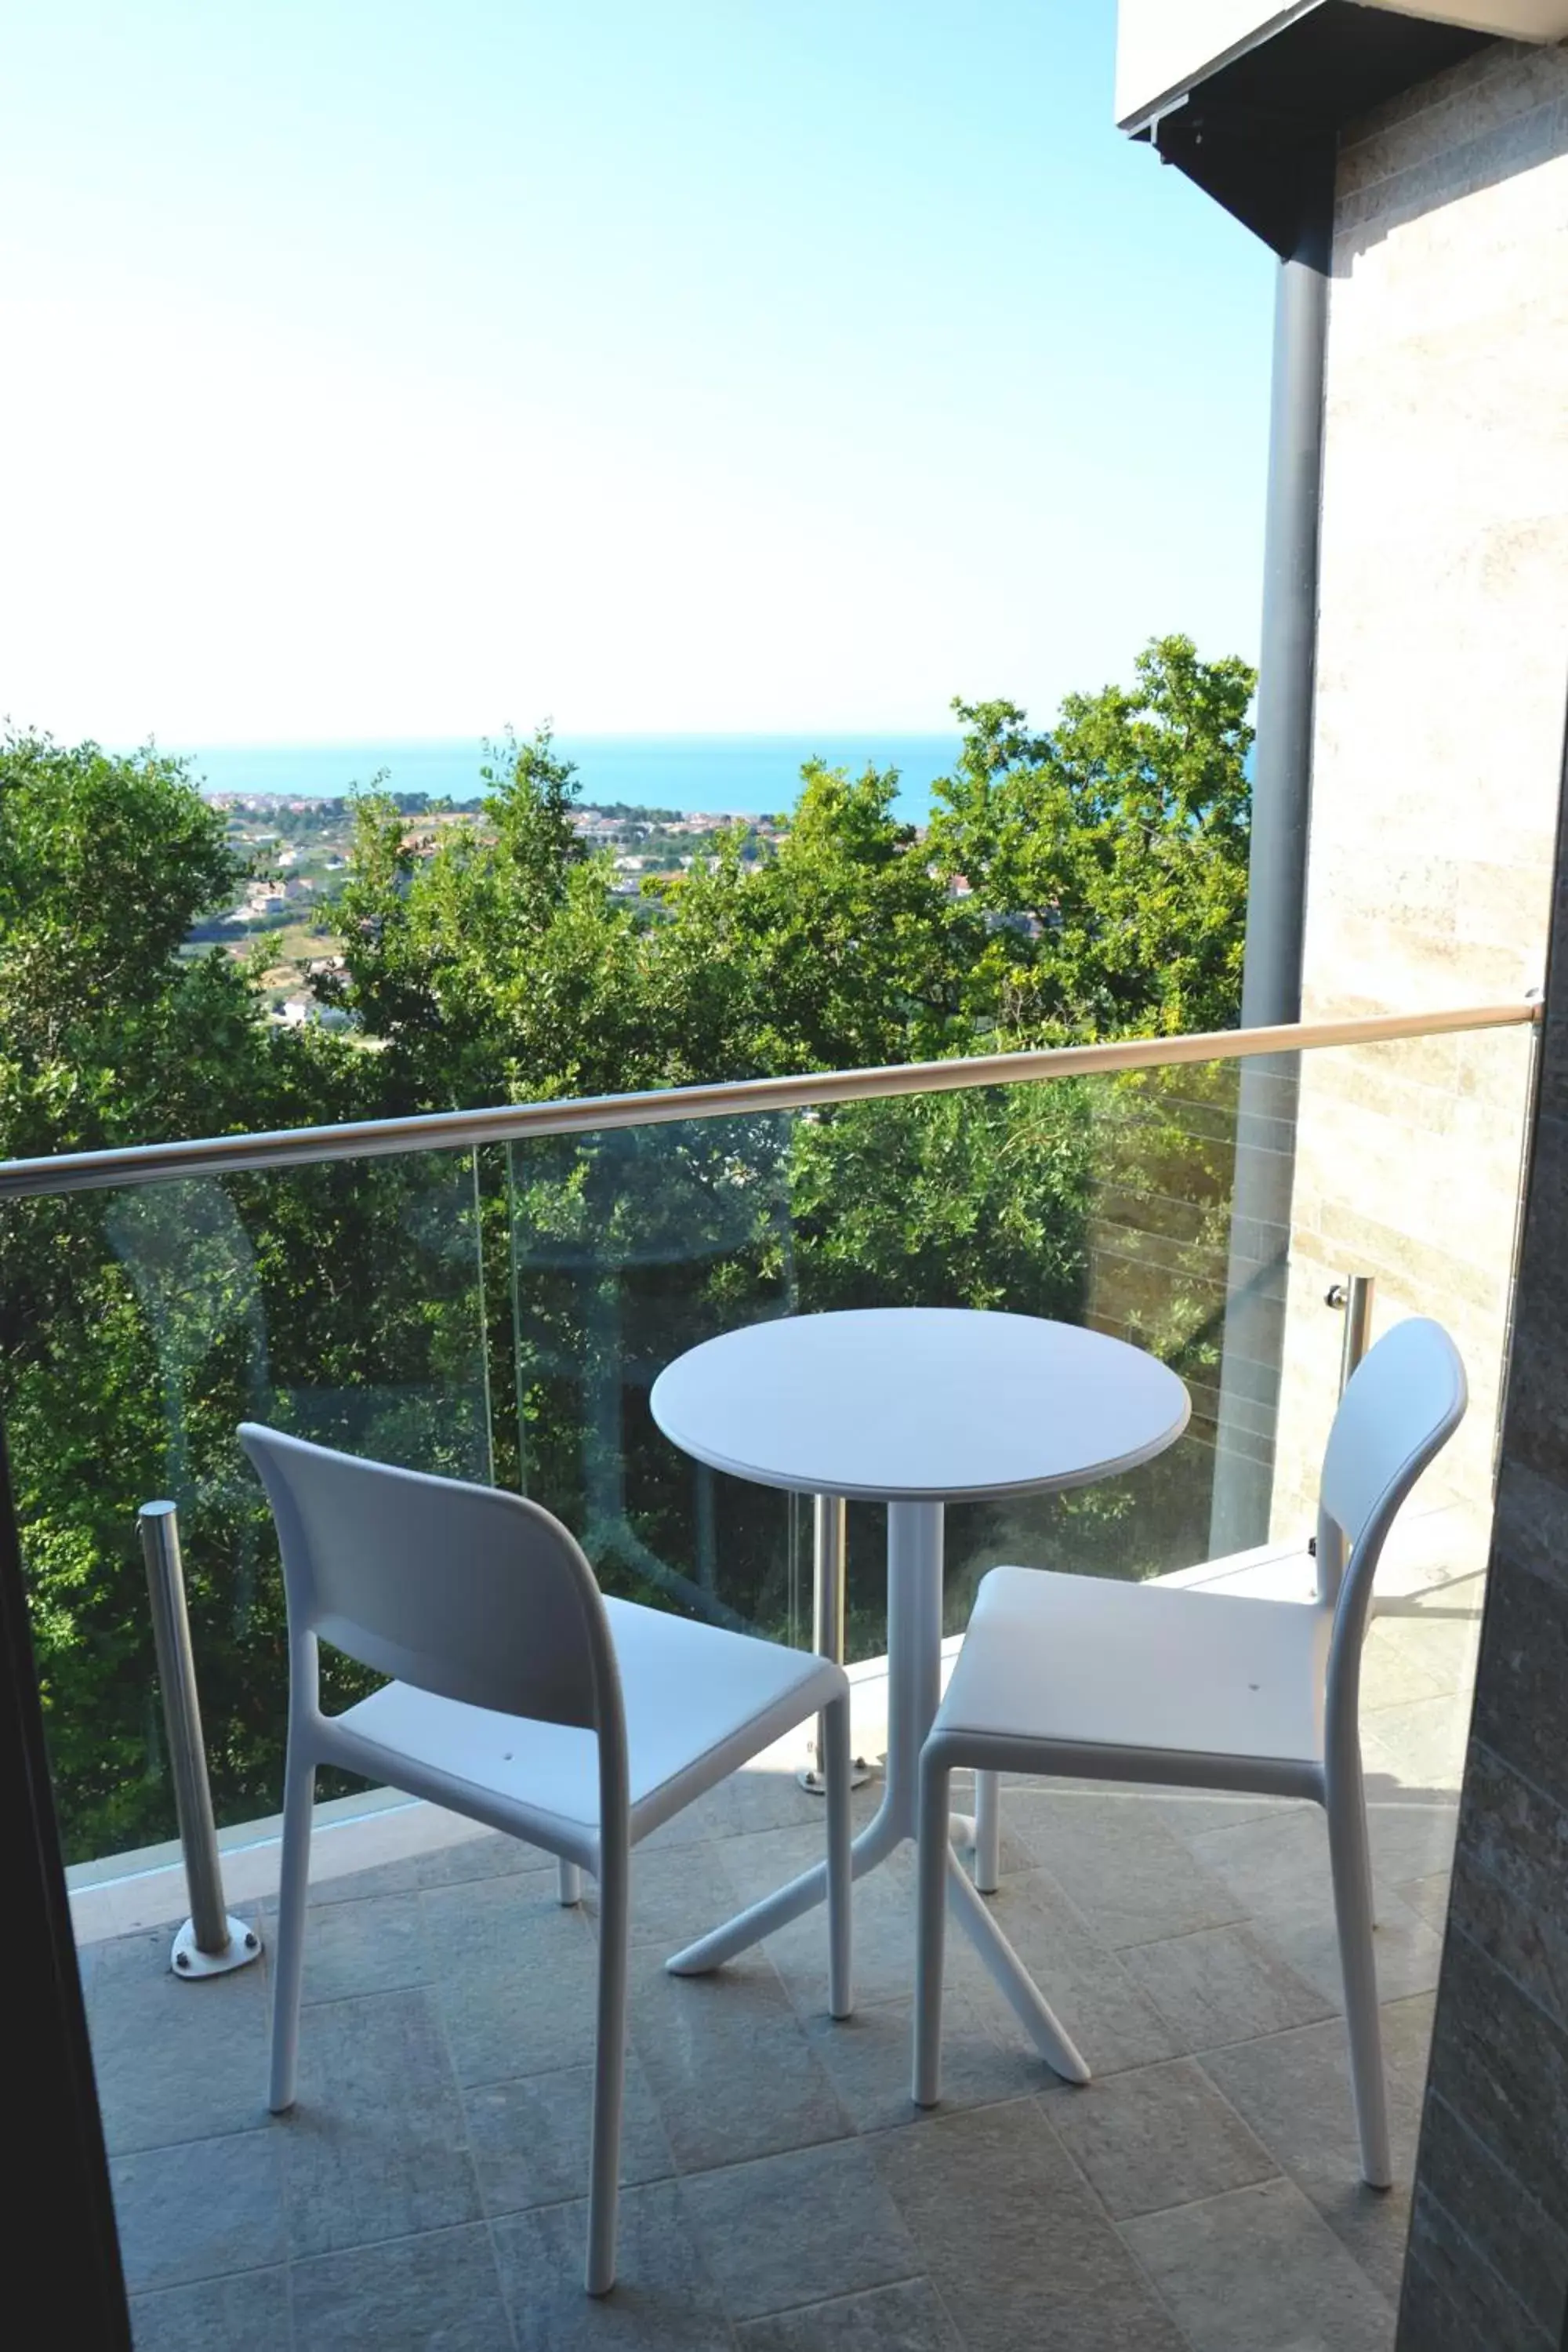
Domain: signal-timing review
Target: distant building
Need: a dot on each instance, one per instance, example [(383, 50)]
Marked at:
[(303, 1011)]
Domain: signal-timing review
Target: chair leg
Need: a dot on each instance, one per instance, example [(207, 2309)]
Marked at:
[(568, 1882), (931, 1930), (1349, 1855), (837, 1765), (289, 1961), (987, 1832), (609, 2071)]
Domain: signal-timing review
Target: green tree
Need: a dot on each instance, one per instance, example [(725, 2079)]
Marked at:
[(137, 1328), (1111, 853), (505, 1313), (500, 966), (842, 949)]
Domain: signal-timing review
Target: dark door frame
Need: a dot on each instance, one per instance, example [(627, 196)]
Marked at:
[(62, 2252)]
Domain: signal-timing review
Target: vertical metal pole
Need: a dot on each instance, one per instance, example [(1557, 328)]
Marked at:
[(1358, 1296), (1277, 883), (1352, 1298), (1286, 665), (829, 1557), (829, 1545), (210, 1941)]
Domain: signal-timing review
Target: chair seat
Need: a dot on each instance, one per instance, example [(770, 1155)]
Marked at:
[(698, 1701), (1078, 1660)]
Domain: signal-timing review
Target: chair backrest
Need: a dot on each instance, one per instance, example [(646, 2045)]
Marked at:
[(464, 1590), (1401, 1405)]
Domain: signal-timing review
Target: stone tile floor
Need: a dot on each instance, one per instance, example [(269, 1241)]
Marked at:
[(781, 2194)]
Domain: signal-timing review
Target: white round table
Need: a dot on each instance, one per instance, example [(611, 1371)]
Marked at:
[(916, 1407)]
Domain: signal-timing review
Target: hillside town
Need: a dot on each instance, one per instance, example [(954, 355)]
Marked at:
[(296, 850)]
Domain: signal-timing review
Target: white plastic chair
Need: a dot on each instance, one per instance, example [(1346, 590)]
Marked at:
[(1103, 1681), (523, 1698)]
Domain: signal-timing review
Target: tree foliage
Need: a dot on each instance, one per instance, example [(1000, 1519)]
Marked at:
[(504, 1313), (1113, 850)]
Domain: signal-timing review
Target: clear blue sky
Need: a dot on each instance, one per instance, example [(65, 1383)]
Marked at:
[(406, 369)]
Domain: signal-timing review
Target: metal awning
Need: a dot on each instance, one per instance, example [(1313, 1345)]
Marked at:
[(1255, 128)]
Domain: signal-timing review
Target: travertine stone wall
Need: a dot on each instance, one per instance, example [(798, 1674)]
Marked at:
[(1442, 680)]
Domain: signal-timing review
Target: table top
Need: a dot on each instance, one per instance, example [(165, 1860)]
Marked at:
[(928, 1403)]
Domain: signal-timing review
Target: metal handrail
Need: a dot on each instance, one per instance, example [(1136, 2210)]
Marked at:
[(219, 1155)]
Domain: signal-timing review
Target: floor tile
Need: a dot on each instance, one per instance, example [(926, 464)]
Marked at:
[(1259, 2270), (767, 1799), (425, 2106), (1188, 1813), (530, 2138), (515, 1973), (494, 1855), (798, 2228), (397, 1877), (1117, 1807), (1422, 1743), (1223, 1984), (1294, 2090), (663, 2299), (1158, 2137), (247, 2313), (869, 2059), (175, 2060), (729, 2064), (377, 2146), (1440, 1634), (883, 1918), (374, 1944), (1428, 1897), (1393, 1670), (907, 2318), (751, 1801), (1113, 2022), (1134, 1884), (1279, 1869), (201, 2211), (677, 1894), (1019, 2251), (1278, 1861), (716, 2112), (1412, 1833), (1408, 1952), (441, 2289), (714, 1814)]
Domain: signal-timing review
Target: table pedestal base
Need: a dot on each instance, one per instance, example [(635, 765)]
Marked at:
[(914, 1690)]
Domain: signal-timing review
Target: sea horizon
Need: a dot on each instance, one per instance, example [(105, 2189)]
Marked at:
[(716, 774)]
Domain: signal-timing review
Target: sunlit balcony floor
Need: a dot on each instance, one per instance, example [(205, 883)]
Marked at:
[(782, 2196)]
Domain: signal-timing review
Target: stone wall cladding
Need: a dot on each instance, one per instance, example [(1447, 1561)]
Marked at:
[(1442, 683), (1487, 2269)]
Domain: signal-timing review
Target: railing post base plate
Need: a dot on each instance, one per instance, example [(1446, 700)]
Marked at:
[(188, 1959)]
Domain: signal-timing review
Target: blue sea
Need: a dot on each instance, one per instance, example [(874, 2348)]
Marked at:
[(751, 775)]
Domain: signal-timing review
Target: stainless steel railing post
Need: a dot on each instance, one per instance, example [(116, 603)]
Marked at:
[(1352, 1298), (1355, 1296), (829, 1528), (210, 1942), (829, 1556)]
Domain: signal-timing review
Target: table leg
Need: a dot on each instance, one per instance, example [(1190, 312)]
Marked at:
[(914, 1682), (1012, 1979)]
